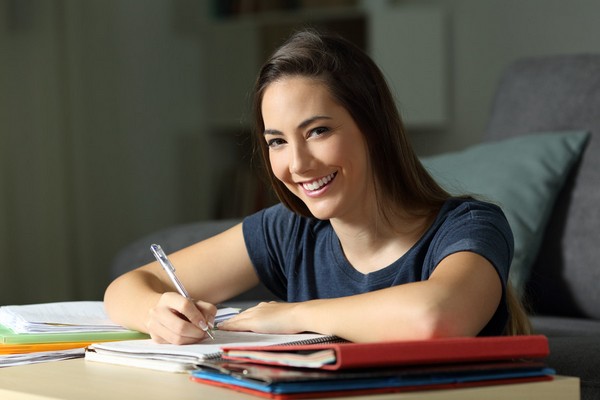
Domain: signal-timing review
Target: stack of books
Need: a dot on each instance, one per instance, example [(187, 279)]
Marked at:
[(55, 331), (307, 365), (348, 369)]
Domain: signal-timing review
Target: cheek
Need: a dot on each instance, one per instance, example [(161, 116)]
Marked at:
[(278, 165)]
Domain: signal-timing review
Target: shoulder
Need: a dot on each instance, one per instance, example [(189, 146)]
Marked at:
[(475, 226), (469, 224), (468, 204), (463, 210)]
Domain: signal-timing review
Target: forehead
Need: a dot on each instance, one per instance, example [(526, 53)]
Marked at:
[(296, 95), (296, 83)]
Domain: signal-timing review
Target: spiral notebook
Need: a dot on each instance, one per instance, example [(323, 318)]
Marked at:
[(334, 356), (182, 358)]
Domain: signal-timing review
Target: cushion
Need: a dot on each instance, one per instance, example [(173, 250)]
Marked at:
[(522, 175)]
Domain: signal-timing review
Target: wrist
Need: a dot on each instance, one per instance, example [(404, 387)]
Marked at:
[(307, 316)]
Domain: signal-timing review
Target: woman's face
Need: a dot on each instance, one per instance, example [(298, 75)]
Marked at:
[(316, 149)]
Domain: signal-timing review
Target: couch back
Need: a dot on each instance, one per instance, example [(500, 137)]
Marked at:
[(559, 93)]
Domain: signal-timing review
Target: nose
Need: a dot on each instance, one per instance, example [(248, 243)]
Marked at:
[(301, 159)]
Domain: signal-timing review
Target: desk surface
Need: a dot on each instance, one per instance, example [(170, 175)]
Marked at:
[(80, 379)]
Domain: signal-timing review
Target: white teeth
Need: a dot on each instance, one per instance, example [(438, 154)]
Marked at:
[(314, 185)]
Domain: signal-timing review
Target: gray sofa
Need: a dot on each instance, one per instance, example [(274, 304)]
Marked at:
[(555, 93), (561, 93)]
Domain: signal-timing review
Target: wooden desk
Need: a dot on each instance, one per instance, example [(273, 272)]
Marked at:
[(80, 379)]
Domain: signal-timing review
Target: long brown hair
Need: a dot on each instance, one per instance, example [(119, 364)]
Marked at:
[(357, 84)]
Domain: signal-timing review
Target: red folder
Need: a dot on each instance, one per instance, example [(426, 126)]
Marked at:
[(397, 353)]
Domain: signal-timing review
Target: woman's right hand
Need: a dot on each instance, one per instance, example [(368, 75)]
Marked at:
[(178, 320)]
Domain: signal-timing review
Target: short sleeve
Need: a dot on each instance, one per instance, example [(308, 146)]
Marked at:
[(480, 228)]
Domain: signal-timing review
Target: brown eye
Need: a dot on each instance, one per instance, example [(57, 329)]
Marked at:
[(275, 142), (318, 131)]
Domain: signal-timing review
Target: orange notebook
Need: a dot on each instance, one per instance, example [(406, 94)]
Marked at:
[(34, 348), (334, 356)]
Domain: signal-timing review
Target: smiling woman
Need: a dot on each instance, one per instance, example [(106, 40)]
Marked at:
[(365, 244), (315, 148)]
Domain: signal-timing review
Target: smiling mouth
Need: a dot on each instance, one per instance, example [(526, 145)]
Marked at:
[(319, 183)]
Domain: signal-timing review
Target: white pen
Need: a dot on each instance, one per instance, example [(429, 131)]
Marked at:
[(164, 261)]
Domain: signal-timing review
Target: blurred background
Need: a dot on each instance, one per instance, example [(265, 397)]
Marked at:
[(122, 117)]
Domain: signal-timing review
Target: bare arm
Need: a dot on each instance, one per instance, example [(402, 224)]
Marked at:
[(212, 271), (458, 299)]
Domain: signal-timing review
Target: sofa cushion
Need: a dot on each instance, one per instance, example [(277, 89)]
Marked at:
[(559, 93), (565, 327), (522, 175)]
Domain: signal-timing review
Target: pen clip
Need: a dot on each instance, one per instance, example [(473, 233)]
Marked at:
[(161, 257), (164, 261)]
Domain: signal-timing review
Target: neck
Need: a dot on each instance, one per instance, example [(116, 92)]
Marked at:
[(374, 243)]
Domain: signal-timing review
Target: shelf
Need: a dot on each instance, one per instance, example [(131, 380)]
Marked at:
[(294, 16)]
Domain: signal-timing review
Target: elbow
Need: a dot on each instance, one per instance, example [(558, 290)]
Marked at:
[(442, 322), (426, 324), (110, 303), (435, 325), (117, 301)]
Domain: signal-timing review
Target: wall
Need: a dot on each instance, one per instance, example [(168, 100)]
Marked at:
[(486, 36), (100, 100), (101, 120)]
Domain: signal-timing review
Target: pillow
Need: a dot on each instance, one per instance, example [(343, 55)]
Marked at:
[(522, 175)]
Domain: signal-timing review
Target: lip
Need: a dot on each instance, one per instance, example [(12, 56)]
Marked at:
[(325, 181)]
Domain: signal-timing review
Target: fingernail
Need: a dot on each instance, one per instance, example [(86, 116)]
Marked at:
[(203, 325)]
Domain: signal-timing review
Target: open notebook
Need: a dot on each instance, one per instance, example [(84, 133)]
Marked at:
[(182, 358)]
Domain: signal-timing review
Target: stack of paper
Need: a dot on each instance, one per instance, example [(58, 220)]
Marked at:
[(77, 316), (55, 331), (11, 360)]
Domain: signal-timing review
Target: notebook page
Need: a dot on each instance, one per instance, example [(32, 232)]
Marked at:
[(207, 349)]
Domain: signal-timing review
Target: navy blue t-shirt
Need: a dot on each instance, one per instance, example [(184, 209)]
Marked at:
[(300, 258)]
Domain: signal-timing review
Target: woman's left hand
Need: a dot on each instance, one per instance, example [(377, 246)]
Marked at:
[(271, 317)]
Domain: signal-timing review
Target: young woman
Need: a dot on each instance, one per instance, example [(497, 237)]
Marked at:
[(364, 245)]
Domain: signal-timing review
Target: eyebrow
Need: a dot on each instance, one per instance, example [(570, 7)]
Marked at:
[(302, 125)]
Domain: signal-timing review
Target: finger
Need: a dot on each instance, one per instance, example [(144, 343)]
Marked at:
[(169, 327), (170, 323), (196, 324), (193, 312), (240, 322), (209, 311), (201, 314)]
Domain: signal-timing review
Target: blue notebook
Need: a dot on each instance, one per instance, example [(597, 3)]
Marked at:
[(270, 381)]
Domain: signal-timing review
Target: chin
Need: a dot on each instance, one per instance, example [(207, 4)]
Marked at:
[(320, 213)]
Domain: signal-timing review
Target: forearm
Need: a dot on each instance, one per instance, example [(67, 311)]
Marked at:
[(388, 314), (458, 299), (400, 313), (129, 298)]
